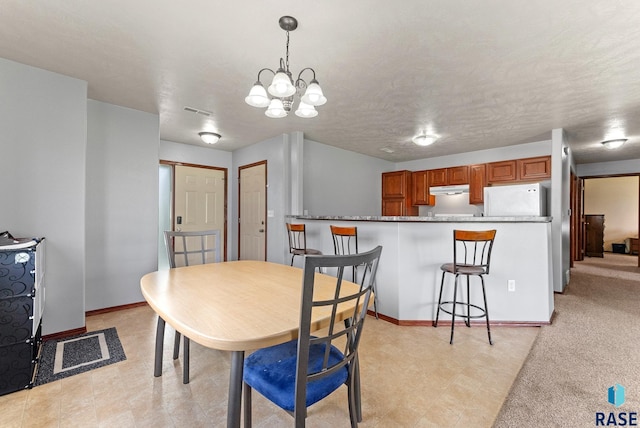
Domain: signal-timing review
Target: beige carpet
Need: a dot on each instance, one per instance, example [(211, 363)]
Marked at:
[(593, 343)]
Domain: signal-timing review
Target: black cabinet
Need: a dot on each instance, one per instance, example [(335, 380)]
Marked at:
[(21, 305)]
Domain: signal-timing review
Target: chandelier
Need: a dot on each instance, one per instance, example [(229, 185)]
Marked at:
[(283, 87)]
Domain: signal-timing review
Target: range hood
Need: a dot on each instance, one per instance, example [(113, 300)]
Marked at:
[(449, 190)]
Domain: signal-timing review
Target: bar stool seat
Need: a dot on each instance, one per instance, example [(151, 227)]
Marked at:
[(471, 257)]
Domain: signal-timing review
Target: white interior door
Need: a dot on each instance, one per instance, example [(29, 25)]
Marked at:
[(253, 206), (199, 200)]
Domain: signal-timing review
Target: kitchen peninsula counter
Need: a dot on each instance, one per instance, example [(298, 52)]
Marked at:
[(414, 248), (437, 219)]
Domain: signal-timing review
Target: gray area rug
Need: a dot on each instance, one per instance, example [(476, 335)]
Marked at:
[(78, 354), (592, 345)]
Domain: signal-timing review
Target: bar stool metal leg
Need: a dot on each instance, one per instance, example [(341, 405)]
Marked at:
[(435, 324), (486, 310), (453, 311)]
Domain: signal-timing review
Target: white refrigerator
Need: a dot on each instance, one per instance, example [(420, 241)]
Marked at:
[(515, 200)]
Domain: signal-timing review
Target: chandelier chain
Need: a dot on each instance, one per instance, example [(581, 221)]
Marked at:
[(287, 60)]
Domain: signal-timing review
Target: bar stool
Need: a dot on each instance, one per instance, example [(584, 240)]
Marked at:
[(345, 242), (471, 257), (298, 241)]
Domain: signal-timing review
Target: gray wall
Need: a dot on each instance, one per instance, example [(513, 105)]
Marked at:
[(340, 182), (121, 203), (42, 146), (608, 168), (529, 150)]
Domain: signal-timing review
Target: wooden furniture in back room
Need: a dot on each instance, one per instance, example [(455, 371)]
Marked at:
[(594, 225)]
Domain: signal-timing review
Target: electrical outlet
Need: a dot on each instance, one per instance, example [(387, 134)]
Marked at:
[(511, 285)]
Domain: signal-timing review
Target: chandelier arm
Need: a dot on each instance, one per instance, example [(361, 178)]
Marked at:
[(264, 69), (301, 80)]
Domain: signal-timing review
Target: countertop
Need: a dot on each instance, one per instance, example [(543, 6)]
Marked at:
[(418, 219)]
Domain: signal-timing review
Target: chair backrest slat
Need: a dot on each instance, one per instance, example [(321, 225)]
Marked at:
[(297, 237), (473, 248), (193, 247), (345, 239)]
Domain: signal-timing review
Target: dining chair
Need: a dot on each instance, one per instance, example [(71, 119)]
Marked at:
[(298, 241), (294, 375), (471, 257), (186, 249), (345, 241)]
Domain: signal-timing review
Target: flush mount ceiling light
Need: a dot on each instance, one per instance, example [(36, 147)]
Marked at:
[(209, 137), (614, 144), (424, 139), (283, 87)]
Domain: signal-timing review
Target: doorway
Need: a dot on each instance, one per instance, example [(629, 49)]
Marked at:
[(617, 198), (192, 197), (252, 225)]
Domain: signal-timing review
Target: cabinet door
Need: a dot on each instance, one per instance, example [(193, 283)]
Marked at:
[(501, 172), (420, 187), (458, 175), (534, 168), (395, 184), (477, 182), (438, 177), (394, 207)]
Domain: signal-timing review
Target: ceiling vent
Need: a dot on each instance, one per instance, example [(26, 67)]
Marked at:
[(198, 111)]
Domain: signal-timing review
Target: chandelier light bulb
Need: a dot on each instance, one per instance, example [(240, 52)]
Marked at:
[(257, 96), (306, 110), (281, 85), (276, 109), (313, 95)]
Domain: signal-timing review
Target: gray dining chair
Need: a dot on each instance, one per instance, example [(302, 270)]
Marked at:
[(185, 249), (297, 374)]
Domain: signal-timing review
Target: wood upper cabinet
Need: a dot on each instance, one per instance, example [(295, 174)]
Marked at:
[(534, 168), (421, 194), (396, 184), (449, 176), (477, 182), (438, 177), (528, 169), (458, 175), (499, 172), (397, 194)]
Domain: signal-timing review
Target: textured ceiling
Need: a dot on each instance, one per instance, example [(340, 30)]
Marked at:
[(480, 74)]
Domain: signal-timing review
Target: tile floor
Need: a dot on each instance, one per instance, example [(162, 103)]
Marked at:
[(411, 377)]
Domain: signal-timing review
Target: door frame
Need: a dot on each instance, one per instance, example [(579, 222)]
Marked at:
[(573, 198), (266, 223), (173, 164)]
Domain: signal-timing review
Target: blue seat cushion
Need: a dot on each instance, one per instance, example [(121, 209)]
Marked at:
[(272, 372)]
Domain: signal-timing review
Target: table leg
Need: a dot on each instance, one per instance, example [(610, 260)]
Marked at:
[(157, 368), (235, 390)]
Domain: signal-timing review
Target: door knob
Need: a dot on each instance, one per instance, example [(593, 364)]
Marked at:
[(261, 230)]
